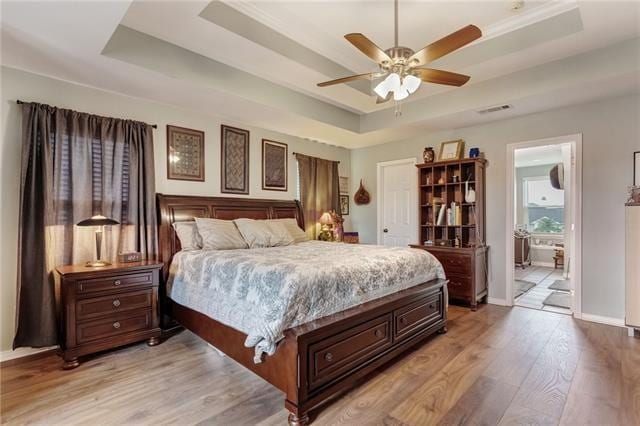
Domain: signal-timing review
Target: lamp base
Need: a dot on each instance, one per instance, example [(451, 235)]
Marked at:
[(97, 263)]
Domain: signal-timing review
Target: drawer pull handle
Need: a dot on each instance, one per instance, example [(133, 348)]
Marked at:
[(116, 325), (403, 320), (116, 303), (431, 306), (116, 282), (378, 333), (328, 357)]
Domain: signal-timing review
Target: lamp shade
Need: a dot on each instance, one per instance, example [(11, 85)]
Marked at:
[(97, 220), (411, 83), (325, 219)]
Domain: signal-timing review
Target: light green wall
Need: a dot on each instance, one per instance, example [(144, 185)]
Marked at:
[(610, 135)]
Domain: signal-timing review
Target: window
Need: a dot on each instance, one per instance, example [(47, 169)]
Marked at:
[(544, 206)]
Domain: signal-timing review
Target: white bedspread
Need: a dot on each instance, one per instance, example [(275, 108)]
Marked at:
[(262, 292)]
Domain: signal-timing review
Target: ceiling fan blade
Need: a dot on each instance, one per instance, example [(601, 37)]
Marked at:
[(347, 79), (368, 47), (431, 75), (447, 44)]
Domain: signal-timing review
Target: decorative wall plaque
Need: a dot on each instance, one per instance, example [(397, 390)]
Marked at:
[(274, 165), (185, 154), (235, 160)]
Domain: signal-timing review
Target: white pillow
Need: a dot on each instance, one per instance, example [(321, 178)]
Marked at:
[(219, 234), (299, 236), (261, 233), (188, 235)]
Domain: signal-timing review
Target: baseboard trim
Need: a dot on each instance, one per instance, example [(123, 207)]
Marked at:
[(496, 301), (20, 355), (617, 322)]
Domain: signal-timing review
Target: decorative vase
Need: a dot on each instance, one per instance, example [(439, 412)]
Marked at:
[(474, 152), (428, 155), (362, 196), (469, 194)]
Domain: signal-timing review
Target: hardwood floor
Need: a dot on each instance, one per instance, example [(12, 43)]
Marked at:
[(495, 366)]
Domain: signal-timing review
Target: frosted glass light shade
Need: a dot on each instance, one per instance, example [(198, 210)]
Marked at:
[(400, 94), (411, 83), (389, 84)]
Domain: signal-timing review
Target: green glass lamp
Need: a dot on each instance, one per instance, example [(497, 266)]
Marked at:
[(99, 222)]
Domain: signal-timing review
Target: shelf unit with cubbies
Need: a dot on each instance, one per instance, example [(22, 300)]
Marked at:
[(457, 243)]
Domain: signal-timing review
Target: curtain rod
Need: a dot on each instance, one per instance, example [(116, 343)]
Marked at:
[(294, 153), (19, 102)]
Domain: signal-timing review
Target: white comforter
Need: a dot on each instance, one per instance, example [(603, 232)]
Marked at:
[(262, 292)]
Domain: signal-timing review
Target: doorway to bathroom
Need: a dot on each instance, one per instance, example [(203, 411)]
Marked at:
[(543, 210)]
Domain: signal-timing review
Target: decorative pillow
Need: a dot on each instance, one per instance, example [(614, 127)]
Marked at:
[(219, 234), (299, 236), (261, 233), (188, 235)]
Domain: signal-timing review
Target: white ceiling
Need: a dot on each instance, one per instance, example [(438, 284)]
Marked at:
[(538, 156), (555, 40)]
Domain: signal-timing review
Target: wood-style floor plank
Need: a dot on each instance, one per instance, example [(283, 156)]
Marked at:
[(495, 366)]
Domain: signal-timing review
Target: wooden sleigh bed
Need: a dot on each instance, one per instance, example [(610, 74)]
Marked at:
[(318, 360)]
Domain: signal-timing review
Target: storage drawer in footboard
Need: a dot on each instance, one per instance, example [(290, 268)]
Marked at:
[(348, 350), (417, 316)]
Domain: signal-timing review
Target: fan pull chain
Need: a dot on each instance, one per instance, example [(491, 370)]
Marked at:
[(398, 111)]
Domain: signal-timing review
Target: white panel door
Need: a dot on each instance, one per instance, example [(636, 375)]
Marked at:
[(398, 184)]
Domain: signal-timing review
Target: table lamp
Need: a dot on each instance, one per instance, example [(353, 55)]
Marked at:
[(100, 222), (325, 229)]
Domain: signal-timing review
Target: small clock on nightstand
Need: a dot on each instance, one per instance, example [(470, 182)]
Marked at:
[(107, 307)]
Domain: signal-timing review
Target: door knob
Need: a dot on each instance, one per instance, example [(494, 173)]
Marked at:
[(385, 230)]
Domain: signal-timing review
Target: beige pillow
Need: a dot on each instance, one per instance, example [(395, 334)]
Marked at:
[(261, 233), (188, 235), (219, 234), (299, 236)]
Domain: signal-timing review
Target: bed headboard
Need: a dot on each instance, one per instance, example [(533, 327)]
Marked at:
[(177, 208)]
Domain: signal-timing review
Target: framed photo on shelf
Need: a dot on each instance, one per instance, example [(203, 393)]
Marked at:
[(344, 205), (344, 185), (185, 154), (451, 150), (274, 165), (234, 156), (636, 168)]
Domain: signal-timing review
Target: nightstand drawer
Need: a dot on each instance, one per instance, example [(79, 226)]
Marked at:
[(113, 326), (114, 282), (119, 302)]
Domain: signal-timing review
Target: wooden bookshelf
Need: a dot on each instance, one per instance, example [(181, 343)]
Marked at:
[(458, 242), (437, 187)]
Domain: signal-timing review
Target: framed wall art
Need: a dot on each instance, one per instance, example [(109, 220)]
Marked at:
[(185, 154), (451, 150), (344, 205), (344, 184), (274, 165), (235, 160), (636, 168)]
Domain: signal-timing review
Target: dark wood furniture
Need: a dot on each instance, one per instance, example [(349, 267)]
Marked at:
[(107, 307), (458, 244), (320, 359)]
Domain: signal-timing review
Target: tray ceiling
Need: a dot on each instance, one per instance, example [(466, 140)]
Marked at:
[(258, 62)]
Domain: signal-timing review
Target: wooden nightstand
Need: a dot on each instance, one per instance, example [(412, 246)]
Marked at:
[(106, 307)]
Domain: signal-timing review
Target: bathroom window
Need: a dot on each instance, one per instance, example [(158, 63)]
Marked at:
[(544, 206)]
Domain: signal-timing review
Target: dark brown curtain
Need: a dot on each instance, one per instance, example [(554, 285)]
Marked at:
[(76, 165), (319, 189)]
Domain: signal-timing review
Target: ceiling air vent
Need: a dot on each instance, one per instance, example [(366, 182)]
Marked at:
[(495, 108)]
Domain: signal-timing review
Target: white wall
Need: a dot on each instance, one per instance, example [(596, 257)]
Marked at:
[(30, 87), (610, 135)]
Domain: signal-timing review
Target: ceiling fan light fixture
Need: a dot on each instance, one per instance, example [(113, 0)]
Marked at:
[(400, 94), (411, 83), (389, 84)]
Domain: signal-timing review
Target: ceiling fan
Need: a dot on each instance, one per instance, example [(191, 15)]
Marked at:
[(403, 67)]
